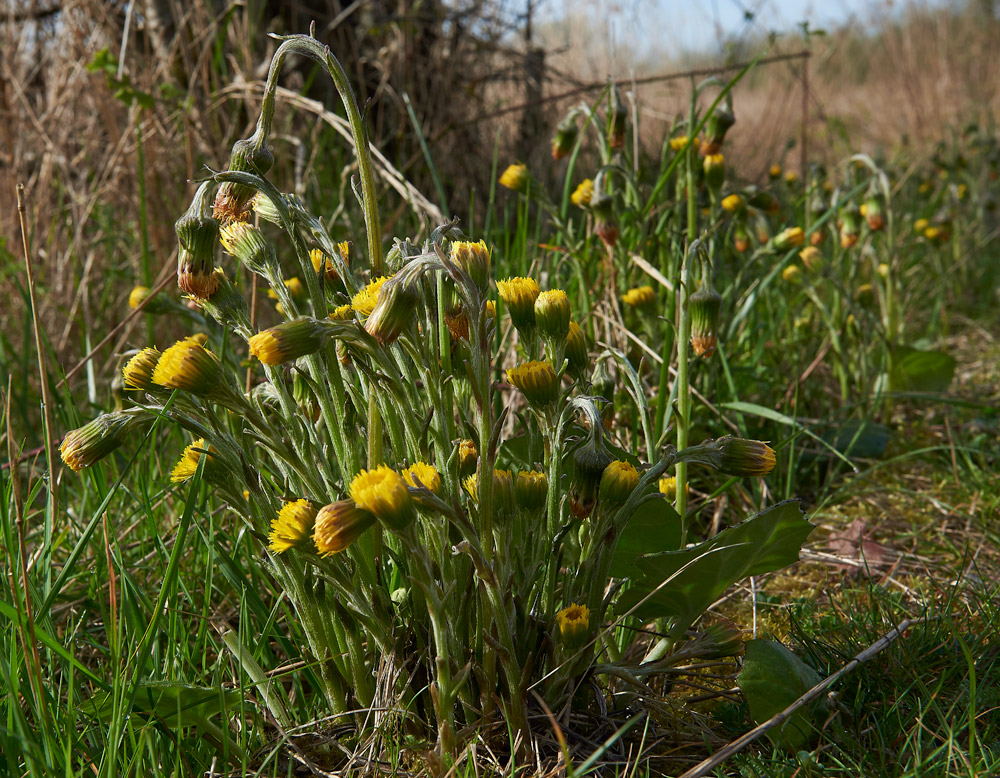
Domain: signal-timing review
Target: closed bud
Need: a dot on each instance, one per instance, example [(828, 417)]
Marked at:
[(741, 238), (789, 238), (616, 118), (137, 374), (874, 214), (576, 349), (290, 340), (743, 458), (92, 442), (552, 314), (573, 625), (338, 525), (774, 172), (812, 258), (704, 306), (849, 228), (617, 484), (226, 305), (474, 259), (734, 203), (394, 311), (715, 172), (467, 457), (589, 462), (531, 489), (151, 303), (382, 492), (792, 274), (537, 381), (565, 136), (717, 126), (519, 295), (247, 244), (292, 526), (605, 224)]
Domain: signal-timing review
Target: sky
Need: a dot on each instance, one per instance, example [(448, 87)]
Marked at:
[(652, 30)]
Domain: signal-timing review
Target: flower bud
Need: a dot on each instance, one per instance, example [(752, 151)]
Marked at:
[(792, 274), (583, 193), (474, 259), (616, 118), (292, 526), (589, 462), (226, 305), (190, 367), (640, 297), (741, 238), (874, 214), (715, 173), (849, 229), (93, 441), (138, 371), (678, 143), (573, 625), (537, 381), (338, 525), (232, 199), (467, 456), (531, 489), (716, 127), (394, 310), (565, 136), (154, 303), (516, 178), (788, 238), (618, 481), (605, 224), (744, 458), (519, 295), (382, 491), (290, 340), (247, 244), (552, 314), (812, 259), (704, 305), (774, 172), (576, 349), (323, 264)]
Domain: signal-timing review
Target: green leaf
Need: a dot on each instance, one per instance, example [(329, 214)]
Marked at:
[(655, 526), (921, 371), (773, 678), (680, 585), (173, 704)]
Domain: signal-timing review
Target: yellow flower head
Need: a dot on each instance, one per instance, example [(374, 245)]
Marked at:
[(920, 225), (679, 142), (639, 297), (474, 259), (812, 258), (617, 482), (531, 489), (187, 465), (537, 381), (342, 313), (138, 371), (745, 458), (774, 171), (792, 274), (788, 238), (382, 491), (668, 486), (791, 178), (503, 488), (582, 194), (345, 250), (576, 348), (573, 624), (515, 178), (552, 314), (491, 309), (421, 474), (467, 456), (190, 367), (364, 302), (338, 525), (137, 296), (733, 203), (291, 526), (323, 264), (519, 295), (289, 340)]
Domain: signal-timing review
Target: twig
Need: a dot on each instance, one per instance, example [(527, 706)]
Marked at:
[(703, 767)]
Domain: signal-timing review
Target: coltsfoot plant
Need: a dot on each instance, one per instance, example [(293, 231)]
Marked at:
[(483, 540)]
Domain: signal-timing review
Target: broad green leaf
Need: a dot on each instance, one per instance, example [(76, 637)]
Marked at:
[(655, 526), (921, 371), (773, 678), (680, 585)]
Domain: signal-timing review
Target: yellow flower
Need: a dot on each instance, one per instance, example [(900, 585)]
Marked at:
[(421, 474), (789, 237), (474, 259), (531, 489), (552, 314), (394, 310), (138, 371), (491, 309), (364, 302), (883, 270), (618, 481), (187, 466), (289, 340), (382, 491), (774, 171), (576, 348), (291, 526), (639, 297), (668, 486), (345, 250), (95, 440), (812, 259), (141, 294), (573, 624), (467, 456), (679, 142), (342, 313), (188, 366), (733, 203), (582, 194), (745, 458), (920, 225), (515, 178), (323, 264), (792, 274), (537, 381), (519, 295), (338, 525), (791, 178)]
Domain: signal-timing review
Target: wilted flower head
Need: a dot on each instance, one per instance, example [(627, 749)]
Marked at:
[(705, 305)]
